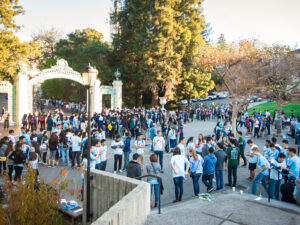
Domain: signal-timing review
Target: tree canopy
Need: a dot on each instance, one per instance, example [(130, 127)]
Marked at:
[(12, 50), (156, 45)]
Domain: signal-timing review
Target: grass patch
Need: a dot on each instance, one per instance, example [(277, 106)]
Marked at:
[(272, 106)]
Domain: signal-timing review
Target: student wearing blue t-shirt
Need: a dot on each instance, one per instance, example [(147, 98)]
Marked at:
[(273, 152), (285, 146), (263, 165), (275, 175), (293, 163)]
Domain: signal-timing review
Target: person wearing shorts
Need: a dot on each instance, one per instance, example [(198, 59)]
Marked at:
[(252, 159)]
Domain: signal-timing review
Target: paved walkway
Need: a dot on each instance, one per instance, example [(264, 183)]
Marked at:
[(227, 209)]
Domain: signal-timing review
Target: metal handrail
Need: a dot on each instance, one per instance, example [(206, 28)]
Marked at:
[(159, 185)]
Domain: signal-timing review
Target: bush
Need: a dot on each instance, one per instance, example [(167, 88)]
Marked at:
[(29, 202)]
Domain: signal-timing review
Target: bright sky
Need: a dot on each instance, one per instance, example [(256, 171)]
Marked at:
[(272, 21)]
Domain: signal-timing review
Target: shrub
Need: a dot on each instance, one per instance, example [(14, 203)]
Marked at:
[(29, 202)]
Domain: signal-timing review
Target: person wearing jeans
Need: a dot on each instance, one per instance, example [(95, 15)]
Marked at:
[(196, 162), (153, 168), (263, 171), (117, 145), (159, 146), (65, 155), (233, 160), (209, 166), (126, 150), (76, 143), (275, 176), (180, 167), (103, 154), (232, 171), (220, 155)]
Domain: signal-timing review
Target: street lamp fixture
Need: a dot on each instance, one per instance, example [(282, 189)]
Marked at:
[(89, 77)]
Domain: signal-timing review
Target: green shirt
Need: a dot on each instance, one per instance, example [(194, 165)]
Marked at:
[(241, 144), (233, 156)]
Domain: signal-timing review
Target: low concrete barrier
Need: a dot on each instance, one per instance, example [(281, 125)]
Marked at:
[(117, 200)]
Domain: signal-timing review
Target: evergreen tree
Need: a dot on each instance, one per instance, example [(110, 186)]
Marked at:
[(222, 42), (157, 45), (207, 32)]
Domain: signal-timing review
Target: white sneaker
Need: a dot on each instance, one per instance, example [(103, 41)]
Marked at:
[(115, 172), (120, 171)]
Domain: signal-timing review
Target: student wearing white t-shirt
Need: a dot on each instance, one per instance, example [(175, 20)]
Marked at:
[(117, 145), (76, 143), (140, 145), (252, 159), (96, 154), (178, 163), (159, 146), (103, 154), (181, 146), (190, 145)]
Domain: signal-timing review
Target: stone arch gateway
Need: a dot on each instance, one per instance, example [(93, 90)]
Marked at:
[(25, 80)]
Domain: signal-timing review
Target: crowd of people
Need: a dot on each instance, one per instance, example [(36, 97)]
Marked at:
[(57, 139)]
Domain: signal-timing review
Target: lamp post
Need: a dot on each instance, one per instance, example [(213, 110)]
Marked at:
[(89, 76)]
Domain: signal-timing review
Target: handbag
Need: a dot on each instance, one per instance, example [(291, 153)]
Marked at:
[(161, 186), (193, 174)]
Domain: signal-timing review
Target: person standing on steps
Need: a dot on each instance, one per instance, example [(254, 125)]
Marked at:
[(178, 163)]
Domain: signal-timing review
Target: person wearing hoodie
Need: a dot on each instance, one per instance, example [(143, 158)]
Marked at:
[(134, 168), (209, 166)]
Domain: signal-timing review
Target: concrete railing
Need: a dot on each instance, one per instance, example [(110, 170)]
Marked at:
[(117, 200)]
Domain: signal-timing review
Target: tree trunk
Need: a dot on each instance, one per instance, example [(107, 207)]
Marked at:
[(154, 91), (234, 116), (140, 99), (279, 119)]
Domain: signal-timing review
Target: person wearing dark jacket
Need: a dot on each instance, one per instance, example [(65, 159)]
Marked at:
[(19, 158), (134, 168)]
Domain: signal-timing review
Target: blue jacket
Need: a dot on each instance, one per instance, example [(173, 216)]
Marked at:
[(209, 164), (127, 145)]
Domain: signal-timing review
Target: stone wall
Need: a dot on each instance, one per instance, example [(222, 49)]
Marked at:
[(117, 200)]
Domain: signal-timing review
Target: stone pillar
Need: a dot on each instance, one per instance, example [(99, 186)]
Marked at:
[(112, 99), (96, 104), (117, 84), (22, 97)]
